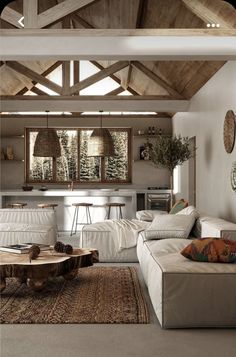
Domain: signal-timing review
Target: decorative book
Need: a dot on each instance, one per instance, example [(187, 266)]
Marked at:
[(22, 248)]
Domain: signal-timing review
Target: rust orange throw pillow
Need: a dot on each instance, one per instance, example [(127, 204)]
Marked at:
[(211, 250)]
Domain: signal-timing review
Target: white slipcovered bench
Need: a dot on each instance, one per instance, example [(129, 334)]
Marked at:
[(27, 225)]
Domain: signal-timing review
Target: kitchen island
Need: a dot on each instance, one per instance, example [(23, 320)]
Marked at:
[(65, 199)]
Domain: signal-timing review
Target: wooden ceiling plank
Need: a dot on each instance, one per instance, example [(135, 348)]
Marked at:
[(157, 79), (61, 10), (20, 68), (11, 16), (204, 13), (30, 11), (98, 76)]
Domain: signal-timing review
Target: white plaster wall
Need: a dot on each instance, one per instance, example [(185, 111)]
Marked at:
[(144, 173), (205, 120)]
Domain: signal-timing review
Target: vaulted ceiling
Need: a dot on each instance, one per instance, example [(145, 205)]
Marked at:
[(170, 79)]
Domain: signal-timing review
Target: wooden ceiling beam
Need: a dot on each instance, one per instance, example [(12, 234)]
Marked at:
[(106, 72), (38, 91), (205, 14), (140, 14), (81, 21), (30, 11), (116, 79), (65, 77), (11, 16), (158, 80), (118, 44), (92, 103), (85, 116), (34, 76), (45, 73), (116, 91), (61, 10)]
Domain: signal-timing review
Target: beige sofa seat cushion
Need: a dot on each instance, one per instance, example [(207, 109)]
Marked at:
[(186, 293)]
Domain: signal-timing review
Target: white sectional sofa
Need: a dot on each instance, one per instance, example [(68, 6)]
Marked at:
[(27, 225), (185, 293)]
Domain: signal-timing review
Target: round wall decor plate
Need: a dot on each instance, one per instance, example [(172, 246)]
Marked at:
[(229, 131)]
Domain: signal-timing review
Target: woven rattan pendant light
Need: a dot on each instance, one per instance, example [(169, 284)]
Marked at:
[(100, 143), (47, 143)]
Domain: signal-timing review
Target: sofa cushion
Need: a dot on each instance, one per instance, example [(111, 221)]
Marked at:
[(211, 250), (148, 215), (190, 210), (178, 206), (170, 226)]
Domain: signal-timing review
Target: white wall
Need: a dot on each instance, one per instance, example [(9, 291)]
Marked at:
[(205, 120), (144, 173)]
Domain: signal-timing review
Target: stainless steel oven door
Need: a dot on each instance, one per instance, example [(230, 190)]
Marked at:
[(158, 201)]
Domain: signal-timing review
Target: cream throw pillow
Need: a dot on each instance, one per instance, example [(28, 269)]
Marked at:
[(170, 226), (190, 210)]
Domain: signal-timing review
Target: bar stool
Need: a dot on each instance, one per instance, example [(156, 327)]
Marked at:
[(76, 213), (17, 205), (118, 209), (47, 205)]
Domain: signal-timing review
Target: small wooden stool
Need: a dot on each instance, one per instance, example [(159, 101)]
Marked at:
[(47, 205), (17, 205), (75, 222), (118, 209)]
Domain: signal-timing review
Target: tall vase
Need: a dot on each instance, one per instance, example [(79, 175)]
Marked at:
[(233, 176)]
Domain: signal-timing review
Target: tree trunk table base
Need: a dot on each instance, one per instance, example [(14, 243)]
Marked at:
[(49, 264)]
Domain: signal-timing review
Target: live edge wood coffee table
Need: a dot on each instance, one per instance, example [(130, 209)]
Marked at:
[(49, 264)]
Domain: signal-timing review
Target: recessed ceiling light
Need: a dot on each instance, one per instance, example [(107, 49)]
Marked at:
[(208, 25)]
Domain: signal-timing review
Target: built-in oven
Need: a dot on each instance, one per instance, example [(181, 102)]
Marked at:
[(158, 201)]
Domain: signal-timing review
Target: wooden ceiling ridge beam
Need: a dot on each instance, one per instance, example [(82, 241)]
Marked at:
[(45, 73), (105, 72), (204, 13), (34, 76), (158, 80), (11, 16), (61, 10)]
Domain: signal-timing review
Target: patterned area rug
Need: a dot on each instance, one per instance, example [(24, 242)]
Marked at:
[(98, 295)]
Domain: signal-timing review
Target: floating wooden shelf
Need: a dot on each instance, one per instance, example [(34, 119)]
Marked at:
[(18, 160), (12, 137), (151, 136)]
